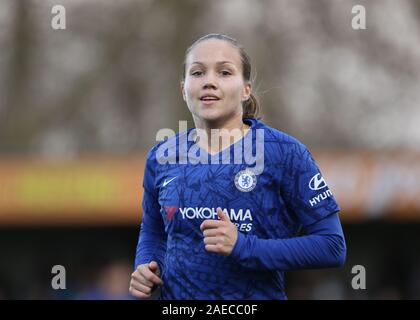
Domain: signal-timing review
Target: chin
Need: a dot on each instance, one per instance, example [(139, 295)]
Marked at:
[(210, 115), (213, 114)]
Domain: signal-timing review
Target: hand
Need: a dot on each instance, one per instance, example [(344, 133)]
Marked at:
[(219, 235), (144, 279)]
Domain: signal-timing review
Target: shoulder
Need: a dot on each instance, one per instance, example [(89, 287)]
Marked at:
[(167, 149), (281, 143)]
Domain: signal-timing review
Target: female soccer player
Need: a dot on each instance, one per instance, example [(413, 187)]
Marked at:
[(214, 226)]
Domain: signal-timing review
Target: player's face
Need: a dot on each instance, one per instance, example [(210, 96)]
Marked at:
[(214, 87)]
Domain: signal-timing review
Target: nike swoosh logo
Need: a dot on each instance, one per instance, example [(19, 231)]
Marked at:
[(165, 183)]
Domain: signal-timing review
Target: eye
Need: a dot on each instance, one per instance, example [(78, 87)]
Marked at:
[(196, 73), (226, 73)]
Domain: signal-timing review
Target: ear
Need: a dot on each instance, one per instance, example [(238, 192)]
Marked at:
[(247, 91), (183, 90)]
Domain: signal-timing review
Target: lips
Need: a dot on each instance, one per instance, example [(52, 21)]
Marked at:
[(209, 97)]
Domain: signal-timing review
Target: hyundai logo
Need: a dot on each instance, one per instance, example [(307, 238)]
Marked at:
[(317, 182)]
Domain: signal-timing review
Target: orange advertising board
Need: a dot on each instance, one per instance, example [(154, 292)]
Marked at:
[(89, 190), (102, 190)]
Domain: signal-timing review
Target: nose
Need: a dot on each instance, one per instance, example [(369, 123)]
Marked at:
[(209, 85), (210, 81)]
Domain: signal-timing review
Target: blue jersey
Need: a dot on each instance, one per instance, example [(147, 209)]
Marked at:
[(269, 205)]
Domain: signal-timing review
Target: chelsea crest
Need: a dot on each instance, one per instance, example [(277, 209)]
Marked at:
[(245, 180)]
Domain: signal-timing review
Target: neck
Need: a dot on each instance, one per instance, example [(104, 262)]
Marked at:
[(217, 135)]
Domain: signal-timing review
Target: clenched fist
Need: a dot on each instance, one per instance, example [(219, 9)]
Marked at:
[(144, 279), (219, 235)]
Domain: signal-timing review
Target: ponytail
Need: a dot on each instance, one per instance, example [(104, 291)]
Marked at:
[(251, 108)]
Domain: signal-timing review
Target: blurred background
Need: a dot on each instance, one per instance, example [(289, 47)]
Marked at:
[(80, 107)]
